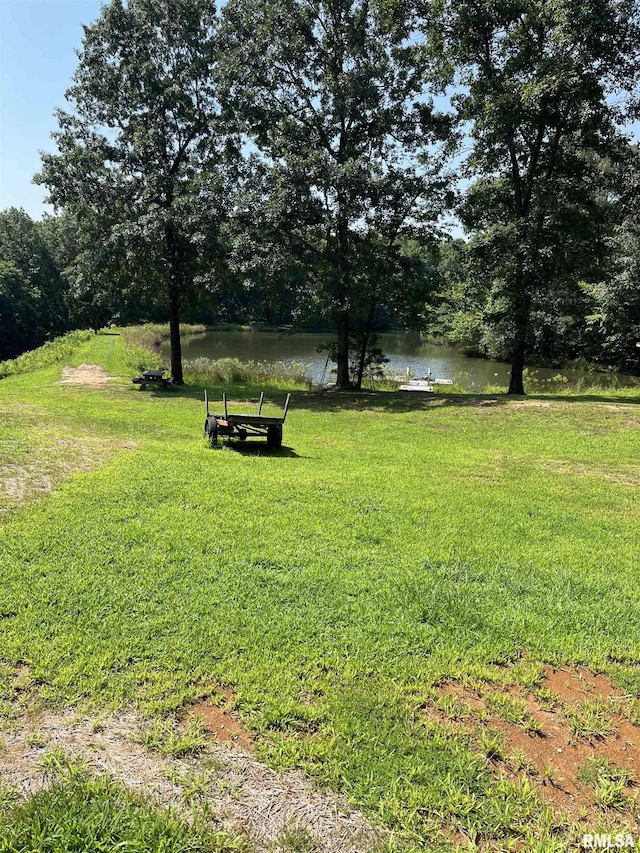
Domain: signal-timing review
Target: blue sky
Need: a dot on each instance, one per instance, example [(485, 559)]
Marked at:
[(38, 39), (37, 43)]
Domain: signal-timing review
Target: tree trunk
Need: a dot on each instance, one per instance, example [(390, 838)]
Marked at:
[(342, 352), (521, 311), (175, 290), (174, 330), (343, 379), (516, 380), (366, 335)]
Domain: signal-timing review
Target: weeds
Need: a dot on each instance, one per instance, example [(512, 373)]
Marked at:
[(610, 794), (493, 745), (295, 839), (177, 741), (608, 781), (512, 710), (150, 336), (231, 371), (598, 769), (79, 811), (590, 721)]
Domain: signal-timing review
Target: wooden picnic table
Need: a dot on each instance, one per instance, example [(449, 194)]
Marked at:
[(153, 377)]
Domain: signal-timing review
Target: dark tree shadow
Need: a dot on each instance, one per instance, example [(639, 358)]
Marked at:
[(335, 400), (258, 448)]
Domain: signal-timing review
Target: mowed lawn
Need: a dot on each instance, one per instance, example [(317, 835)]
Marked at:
[(394, 544)]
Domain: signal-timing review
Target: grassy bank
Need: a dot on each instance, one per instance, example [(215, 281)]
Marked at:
[(53, 352), (394, 550)]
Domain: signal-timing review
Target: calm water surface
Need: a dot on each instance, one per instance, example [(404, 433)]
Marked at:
[(405, 350)]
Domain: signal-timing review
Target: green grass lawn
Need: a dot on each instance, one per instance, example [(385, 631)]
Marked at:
[(391, 544)]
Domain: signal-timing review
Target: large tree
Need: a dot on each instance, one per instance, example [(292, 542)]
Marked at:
[(141, 157), (536, 81), (332, 97)]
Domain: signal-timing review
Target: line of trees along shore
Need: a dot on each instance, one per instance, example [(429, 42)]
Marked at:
[(295, 161)]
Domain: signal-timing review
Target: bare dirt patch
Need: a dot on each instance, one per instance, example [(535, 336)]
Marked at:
[(85, 374), (244, 795), (571, 720), (222, 724)]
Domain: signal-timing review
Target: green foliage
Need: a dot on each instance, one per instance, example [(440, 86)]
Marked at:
[(17, 310), (32, 289), (602, 768), (142, 156), (232, 371), (591, 720), (609, 782), (345, 166), (142, 344), (79, 812), (151, 335), (52, 352), (537, 83), (177, 741), (140, 358)]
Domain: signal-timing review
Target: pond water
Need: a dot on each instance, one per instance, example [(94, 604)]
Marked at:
[(405, 350)]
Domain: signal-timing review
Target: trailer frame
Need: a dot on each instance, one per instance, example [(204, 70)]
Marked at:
[(244, 426)]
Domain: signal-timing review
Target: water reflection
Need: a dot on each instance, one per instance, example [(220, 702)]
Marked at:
[(405, 350)]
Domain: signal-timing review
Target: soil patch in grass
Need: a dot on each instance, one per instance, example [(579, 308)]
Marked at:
[(48, 460), (90, 375), (221, 724), (573, 733)]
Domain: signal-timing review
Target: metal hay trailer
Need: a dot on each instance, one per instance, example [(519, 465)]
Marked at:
[(244, 426)]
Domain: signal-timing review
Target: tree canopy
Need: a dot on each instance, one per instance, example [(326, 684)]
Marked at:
[(284, 161), (536, 84), (141, 158), (332, 97)]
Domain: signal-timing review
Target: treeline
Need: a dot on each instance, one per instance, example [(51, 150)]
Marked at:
[(296, 161)]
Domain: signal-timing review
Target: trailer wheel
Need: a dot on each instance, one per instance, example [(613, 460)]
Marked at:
[(242, 434), (274, 435), (211, 431)]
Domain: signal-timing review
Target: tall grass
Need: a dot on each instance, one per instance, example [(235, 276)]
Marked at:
[(150, 336), (607, 385), (232, 371), (50, 353), (142, 345)]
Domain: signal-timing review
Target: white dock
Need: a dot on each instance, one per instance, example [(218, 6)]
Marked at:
[(418, 385)]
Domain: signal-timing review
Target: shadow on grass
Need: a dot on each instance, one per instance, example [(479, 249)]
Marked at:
[(386, 401), (258, 448)]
